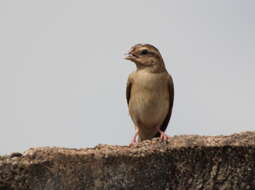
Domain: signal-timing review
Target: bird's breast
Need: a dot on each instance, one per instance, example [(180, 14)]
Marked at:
[(149, 101)]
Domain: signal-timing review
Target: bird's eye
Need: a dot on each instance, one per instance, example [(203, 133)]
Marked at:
[(144, 52)]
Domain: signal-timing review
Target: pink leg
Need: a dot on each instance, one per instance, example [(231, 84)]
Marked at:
[(163, 136), (134, 141)]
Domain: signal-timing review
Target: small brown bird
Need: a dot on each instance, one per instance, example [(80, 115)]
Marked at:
[(149, 93)]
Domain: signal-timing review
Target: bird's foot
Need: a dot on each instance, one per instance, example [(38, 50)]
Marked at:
[(163, 136), (134, 141)]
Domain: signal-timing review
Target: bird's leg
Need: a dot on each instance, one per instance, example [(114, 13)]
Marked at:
[(163, 136), (135, 137)]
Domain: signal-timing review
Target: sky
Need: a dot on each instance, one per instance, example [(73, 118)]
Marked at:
[(63, 76)]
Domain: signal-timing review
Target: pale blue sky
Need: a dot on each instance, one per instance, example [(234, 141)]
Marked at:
[(63, 76)]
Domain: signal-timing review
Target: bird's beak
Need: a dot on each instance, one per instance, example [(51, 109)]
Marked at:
[(130, 56)]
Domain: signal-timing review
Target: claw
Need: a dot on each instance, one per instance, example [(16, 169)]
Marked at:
[(163, 136), (134, 141)]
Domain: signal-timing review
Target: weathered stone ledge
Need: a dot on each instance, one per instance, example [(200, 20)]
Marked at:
[(182, 162)]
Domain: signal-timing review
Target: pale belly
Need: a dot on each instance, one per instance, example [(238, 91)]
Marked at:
[(149, 109), (149, 102)]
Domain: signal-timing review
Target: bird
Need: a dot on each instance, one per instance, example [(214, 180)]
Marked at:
[(149, 93)]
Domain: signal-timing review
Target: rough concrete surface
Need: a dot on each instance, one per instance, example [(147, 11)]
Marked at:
[(183, 162)]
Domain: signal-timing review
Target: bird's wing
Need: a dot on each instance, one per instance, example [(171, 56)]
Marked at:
[(128, 89), (171, 101)]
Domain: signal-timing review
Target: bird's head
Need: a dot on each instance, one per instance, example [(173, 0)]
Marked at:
[(146, 56)]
